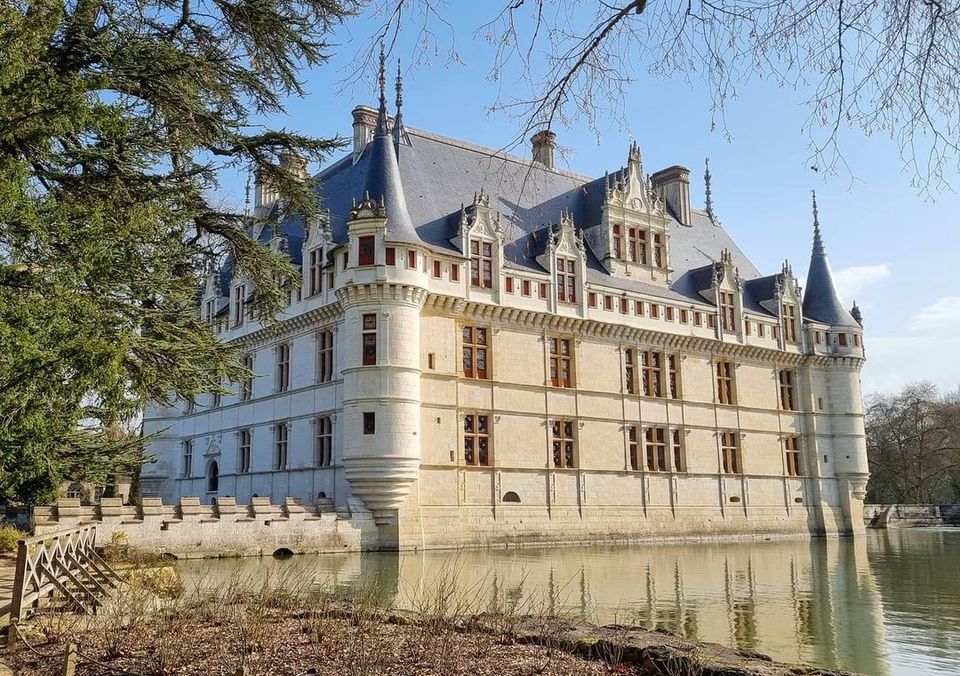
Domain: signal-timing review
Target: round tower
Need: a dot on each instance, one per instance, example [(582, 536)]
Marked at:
[(381, 304)]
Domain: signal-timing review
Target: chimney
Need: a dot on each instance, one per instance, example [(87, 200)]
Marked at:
[(543, 143), (294, 163), (674, 183), (364, 124), (265, 195)]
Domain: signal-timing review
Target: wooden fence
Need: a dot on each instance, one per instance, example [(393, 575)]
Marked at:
[(60, 567)]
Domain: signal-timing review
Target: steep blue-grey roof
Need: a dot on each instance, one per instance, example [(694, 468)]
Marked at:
[(437, 174), (821, 301)]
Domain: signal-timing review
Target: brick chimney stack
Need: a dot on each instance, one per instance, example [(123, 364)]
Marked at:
[(543, 143)]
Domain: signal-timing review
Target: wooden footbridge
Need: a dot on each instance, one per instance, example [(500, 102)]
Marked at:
[(60, 570)]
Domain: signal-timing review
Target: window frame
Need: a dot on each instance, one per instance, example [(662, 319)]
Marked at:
[(478, 351), (323, 441), (561, 362), (186, 458), (728, 312), (732, 459), (655, 449), (325, 356), (369, 423), (792, 457), (478, 438), (244, 450), (282, 382), (563, 443), (315, 276), (281, 446), (246, 385), (369, 353), (566, 280), (481, 263), (724, 375), (788, 400)]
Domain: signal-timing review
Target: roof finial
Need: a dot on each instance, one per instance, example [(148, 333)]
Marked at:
[(817, 240), (382, 113), (398, 121), (709, 191)]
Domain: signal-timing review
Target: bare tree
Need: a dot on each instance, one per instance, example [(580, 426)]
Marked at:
[(883, 67), (913, 442)]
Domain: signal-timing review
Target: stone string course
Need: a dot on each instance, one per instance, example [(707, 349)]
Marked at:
[(190, 529)]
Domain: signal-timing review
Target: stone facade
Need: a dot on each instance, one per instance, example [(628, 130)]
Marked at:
[(568, 393)]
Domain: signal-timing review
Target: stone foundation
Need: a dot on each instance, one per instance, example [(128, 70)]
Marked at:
[(194, 530)]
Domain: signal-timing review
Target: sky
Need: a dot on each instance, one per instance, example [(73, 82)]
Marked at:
[(892, 250)]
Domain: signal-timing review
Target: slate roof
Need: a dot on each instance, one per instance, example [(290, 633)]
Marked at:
[(437, 174), (821, 301)]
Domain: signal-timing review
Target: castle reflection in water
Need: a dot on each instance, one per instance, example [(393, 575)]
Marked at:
[(820, 601)]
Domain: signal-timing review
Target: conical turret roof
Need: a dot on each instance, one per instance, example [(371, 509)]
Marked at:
[(821, 302), (383, 175)]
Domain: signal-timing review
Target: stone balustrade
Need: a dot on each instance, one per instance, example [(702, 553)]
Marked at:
[(191, 529)]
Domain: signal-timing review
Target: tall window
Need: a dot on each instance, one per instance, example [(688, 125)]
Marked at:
[(632, 242), (617, 241), (728, 311), (731, 453), (369, 422), (787, 400), (325, 356), (642, 256), (630, 369), (673, 375), (476, 440), (656, 438), (283, 367), (369, 334), (316, 271), (323, 442), (186, 469), (475, 348), (481, 264), (725, 390), (791, 448), (790, 323), (243, 452), (281, 436), (246, 387), (652, 367), (659, 251), (679, 457), (634, 444), (239, 298), (564, 444), (566, 280), (390, 255), (210, 309), (367, 248), (561, 371)]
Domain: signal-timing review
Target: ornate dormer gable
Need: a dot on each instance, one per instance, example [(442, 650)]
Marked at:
[(479, 221), (786, 291), (241, 290), (480, 238), (633, 239), (317, 242), (565, 259), (722, 286), (212, 299)]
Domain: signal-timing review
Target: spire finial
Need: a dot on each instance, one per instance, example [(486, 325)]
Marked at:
[(817, 240), (709, 191), (382, 113), (398, 120)]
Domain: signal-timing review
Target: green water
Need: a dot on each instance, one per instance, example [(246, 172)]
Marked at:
[(887, 603)]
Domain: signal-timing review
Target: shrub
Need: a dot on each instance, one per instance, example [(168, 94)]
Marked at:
[(9, 537)]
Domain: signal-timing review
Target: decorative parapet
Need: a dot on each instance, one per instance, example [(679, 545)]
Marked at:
[(191, 529)]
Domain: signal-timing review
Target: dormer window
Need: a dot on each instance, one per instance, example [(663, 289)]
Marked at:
[(728, 311), (789, 323), (481, 264), (617, 241), (210, 309), (659, 251), (638, 245), (566, 280), (315, 272), (239, 298)]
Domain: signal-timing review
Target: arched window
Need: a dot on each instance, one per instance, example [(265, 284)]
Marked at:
[(510, 496), (213, 477)]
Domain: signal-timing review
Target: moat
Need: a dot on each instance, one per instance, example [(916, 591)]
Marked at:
[(887, 603)]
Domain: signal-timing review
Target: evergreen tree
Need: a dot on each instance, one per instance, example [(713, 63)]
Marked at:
[(116, 119)]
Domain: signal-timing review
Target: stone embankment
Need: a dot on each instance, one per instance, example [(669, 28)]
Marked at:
[(190, 529), (907, 516)]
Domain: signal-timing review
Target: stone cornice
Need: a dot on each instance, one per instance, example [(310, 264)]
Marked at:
[(379, 292), (291, 326), (611, 332)]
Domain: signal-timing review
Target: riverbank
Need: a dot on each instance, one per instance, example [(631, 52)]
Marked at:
[(282, 636)]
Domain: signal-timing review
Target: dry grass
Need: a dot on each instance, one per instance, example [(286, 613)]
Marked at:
[(288, 626)]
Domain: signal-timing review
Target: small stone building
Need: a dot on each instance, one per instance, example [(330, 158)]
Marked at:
[(489, 349)]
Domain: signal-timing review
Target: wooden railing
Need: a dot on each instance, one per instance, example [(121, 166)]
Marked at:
[(60, 567)]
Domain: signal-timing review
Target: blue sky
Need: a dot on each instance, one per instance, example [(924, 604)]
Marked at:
[(892, 251)]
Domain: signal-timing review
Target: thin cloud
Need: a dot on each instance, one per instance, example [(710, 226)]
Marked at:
[(943, 315), (854, 279)]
